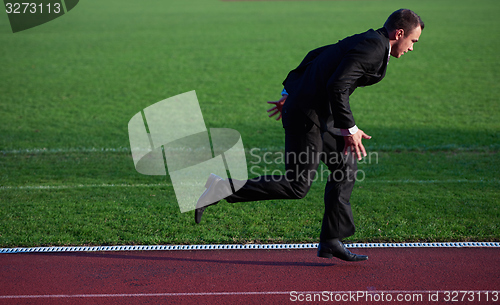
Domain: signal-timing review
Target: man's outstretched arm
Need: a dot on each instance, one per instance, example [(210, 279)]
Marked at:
[(278, 105)]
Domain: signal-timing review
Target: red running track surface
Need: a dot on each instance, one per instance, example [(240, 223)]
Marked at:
[(390, 276)]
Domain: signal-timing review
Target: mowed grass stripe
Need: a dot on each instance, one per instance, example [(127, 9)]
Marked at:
[(121, 216)]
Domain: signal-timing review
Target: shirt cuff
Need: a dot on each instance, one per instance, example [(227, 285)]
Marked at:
[(284, 92), (350, 131)]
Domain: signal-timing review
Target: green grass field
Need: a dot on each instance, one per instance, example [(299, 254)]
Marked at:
[(69, 87)]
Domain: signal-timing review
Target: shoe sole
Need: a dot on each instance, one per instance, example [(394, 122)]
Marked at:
[(329, 255), (325, 254)]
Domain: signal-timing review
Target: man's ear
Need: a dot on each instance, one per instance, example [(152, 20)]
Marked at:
[(400, 34), (397, 34)]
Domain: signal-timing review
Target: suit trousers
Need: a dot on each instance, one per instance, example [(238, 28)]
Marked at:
[(305, 146)]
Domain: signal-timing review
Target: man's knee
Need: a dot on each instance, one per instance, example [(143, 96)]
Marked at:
[(299, 190), (300, 181)]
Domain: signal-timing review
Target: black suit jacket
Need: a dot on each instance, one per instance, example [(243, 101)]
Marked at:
[(321, 85)]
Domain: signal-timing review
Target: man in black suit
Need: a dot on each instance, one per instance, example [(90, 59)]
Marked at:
[(319, 126)]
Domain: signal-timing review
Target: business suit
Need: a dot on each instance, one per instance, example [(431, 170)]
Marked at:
[(320, 86), (318, 104)]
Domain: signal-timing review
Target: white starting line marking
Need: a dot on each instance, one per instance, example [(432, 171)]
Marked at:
[(244, 247), (484, 293)]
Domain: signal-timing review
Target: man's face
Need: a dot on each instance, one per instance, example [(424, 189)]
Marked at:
[(404, 43)]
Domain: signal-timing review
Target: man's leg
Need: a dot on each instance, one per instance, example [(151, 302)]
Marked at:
[(302, 145), (337, 220)]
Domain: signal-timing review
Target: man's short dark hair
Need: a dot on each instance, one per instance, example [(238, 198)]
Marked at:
[(404, 19)]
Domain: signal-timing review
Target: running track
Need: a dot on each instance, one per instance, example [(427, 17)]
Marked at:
[(251, 277)]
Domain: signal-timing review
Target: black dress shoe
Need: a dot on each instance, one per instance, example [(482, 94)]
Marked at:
[(216, 189), (335, 248), (199, 212)]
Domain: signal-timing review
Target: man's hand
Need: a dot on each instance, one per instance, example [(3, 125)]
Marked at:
[(278, 106), (354, 143)]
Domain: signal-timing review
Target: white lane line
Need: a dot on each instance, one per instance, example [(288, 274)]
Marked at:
[(64, 150), (103, 150), (173, 294), (389, 148), (75, 186), (491, 294), (57, 187)]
